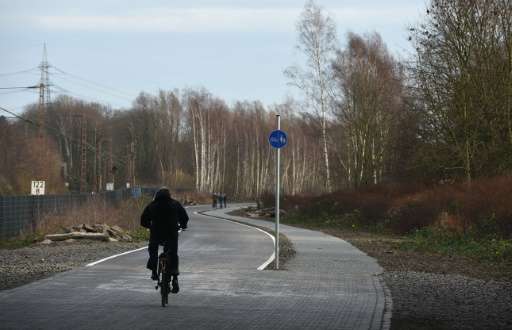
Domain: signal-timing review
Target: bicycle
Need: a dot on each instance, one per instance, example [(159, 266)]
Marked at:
[(164, 276)]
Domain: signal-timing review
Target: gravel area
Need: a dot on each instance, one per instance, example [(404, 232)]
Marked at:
[(27, 264), (435, 301), (432, 291)]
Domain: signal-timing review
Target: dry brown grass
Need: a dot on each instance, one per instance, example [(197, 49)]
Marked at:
[(483, 208), (126, 215)]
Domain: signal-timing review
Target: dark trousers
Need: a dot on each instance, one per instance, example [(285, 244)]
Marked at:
[(170, 248)]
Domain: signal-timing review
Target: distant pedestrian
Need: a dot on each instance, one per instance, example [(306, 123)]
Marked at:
[(224, 199), (214, 201)]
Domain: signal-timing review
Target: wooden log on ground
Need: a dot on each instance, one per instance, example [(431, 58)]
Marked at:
[(78, 235), (59, 237), (95, 236)]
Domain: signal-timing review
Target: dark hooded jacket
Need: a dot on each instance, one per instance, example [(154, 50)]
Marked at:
[(164, 216)]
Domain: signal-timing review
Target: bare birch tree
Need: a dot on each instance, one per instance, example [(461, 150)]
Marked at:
[(317, 42), (370, 89)]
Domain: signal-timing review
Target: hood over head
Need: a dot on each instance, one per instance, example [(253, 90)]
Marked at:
[(163, 193)]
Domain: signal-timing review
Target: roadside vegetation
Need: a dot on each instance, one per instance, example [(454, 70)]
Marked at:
[(125, 215), (21, 241), (453, 220)]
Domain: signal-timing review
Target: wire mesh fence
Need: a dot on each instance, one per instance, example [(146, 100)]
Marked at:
[(22, 214)]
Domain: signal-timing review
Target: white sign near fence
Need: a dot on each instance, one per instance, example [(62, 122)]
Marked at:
[(110, 186), (37, 188)]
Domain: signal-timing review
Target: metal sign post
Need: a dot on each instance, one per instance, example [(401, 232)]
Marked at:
[(278, 184), (278, 139)]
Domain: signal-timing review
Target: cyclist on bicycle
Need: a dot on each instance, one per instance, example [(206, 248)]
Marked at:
[(164, 217)]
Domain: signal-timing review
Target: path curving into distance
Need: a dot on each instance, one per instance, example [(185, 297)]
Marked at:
[(341, 283), (328, 285)]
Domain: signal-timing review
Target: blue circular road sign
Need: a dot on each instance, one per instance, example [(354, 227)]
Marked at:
[(278, 139)]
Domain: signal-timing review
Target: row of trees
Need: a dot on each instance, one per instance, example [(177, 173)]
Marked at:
[(365, 118), (359, 95), (186, 139), (444, 114)]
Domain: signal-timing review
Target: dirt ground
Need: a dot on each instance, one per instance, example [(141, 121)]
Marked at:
[(389, 255)]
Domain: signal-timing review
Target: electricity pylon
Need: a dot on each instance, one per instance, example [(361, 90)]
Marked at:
[(44, 90), (44, 83)]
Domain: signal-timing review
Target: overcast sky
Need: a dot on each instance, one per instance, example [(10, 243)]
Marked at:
[(236, 49)]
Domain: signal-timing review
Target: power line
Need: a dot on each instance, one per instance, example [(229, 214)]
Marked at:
[(25, 87), (18, 72), (65, 91), (44, 84), (19, 107), (18, 116), (61, 89), (94, 88), (98, 85), (17, 91)]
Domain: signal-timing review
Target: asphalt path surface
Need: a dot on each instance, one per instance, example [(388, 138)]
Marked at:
[(221, 287)]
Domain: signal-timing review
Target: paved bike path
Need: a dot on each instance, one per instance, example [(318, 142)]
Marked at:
[(344, 280), (220, 289)]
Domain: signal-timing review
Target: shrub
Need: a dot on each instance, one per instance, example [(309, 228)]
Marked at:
[(413, 215), (483, 209)]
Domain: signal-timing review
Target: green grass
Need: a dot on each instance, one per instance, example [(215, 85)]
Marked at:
[(432, 240), (139, 234), (452, 243), (21, 241), (347, 221)]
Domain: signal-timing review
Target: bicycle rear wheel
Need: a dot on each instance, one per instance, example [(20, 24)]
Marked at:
[(164, 288)]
